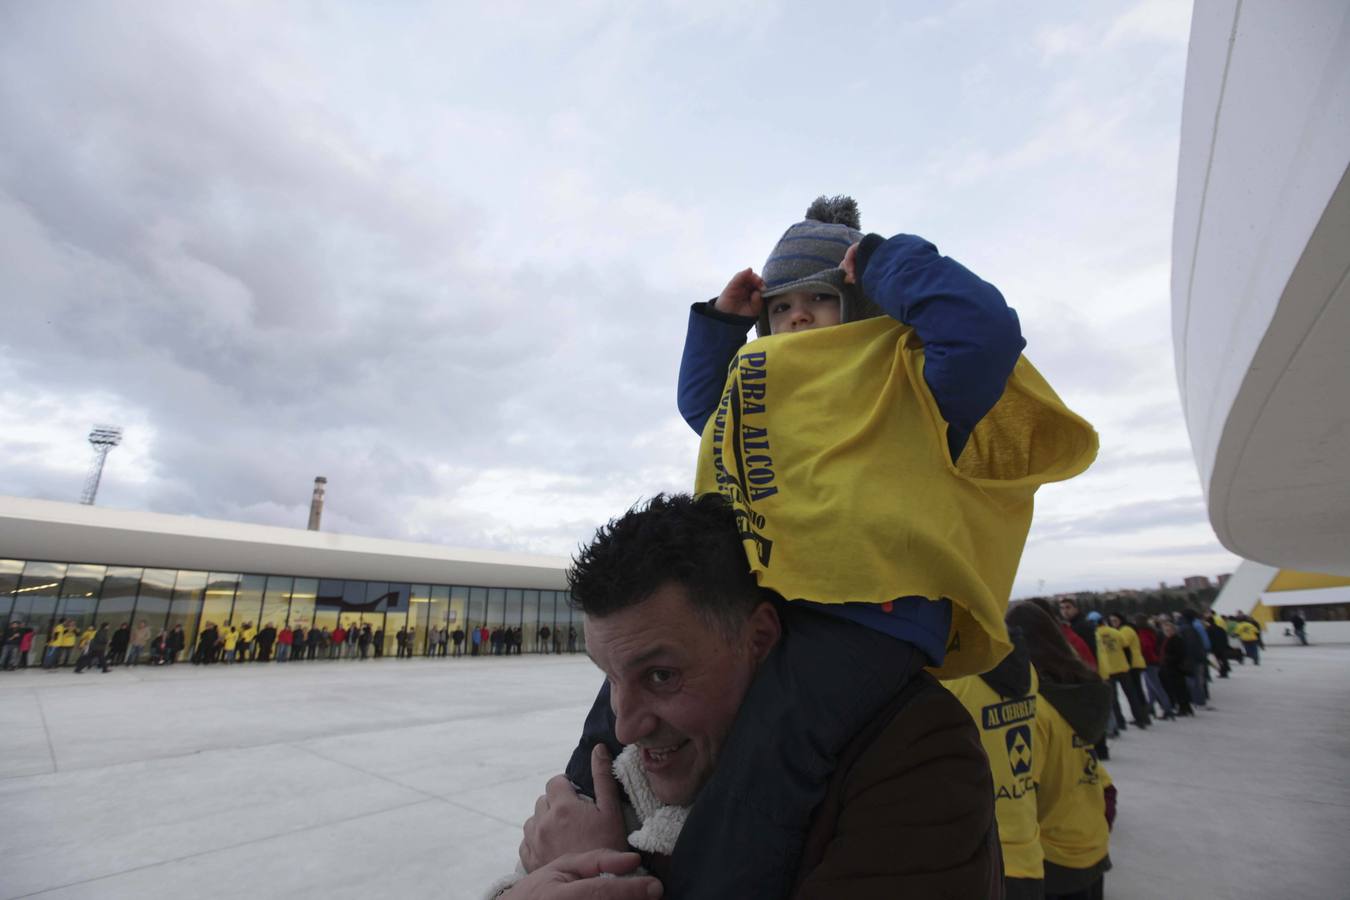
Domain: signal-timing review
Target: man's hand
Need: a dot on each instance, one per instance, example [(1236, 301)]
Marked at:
[(565, 822), (850, 264), (743, 295), (578, 876)]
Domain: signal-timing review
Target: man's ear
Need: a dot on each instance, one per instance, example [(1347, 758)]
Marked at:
[(762, 630)]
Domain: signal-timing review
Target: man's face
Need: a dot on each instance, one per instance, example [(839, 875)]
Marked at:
[(1068, 610), (802, 311), (676, 682)]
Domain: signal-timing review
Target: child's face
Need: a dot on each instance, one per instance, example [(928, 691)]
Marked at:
[(802, 311)]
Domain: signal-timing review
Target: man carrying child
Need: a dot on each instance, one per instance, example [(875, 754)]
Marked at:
[(878, 447)]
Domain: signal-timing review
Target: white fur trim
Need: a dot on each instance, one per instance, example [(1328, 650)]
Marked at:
[(502, 885), (660, 822)]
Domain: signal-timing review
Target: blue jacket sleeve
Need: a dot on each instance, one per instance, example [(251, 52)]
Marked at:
[(711, 341), (971, 337)]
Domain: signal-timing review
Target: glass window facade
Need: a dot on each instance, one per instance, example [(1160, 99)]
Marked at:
[(40, 594)]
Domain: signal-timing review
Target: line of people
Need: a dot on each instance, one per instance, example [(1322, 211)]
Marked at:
[(507, 641), (1046, 712), (105, 647), (1164, 664)]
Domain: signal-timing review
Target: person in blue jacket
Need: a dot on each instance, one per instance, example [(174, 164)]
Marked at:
[(745, 833)]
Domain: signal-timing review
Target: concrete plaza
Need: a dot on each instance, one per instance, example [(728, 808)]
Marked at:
[(411, 778)]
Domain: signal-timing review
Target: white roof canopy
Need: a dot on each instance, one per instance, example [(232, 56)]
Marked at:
[(69, 532)]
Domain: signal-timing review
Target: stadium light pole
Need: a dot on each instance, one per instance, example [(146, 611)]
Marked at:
[(103, 438)]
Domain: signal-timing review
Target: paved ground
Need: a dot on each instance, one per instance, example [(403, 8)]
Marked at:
[(411, 779)]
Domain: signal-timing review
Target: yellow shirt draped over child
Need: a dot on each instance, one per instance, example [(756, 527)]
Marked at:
[(833, 453)]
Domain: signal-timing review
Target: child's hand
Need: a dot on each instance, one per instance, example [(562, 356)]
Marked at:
[(743, 295), (850, 277)]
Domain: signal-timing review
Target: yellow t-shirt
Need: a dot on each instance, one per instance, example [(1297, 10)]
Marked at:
[(249, 634), (1008, 732), (86, 637), (1246, 632), (833, 453), (1130, 637), (230, 637), (65, 637), (1070, 794), (1110, 652)]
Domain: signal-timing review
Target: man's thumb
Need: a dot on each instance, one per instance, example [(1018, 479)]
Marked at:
[(606, 788)]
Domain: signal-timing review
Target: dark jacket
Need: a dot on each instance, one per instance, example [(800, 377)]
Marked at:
[(1086, 707), (99, 642), (1195, 647), (1085, 630), (1012, 676), (1174, 655), (120, 639), (909, 811), (1218, 639)]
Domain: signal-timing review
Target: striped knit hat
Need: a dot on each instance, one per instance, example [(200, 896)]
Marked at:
[(808, 255)]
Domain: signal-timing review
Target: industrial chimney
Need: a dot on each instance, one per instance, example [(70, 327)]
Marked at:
[(316, 504)]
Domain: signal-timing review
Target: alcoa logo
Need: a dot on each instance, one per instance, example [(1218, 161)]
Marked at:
[(1019, 749)]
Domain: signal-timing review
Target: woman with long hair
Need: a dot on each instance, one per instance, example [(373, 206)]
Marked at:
[(1174, 668), (1074, 798)]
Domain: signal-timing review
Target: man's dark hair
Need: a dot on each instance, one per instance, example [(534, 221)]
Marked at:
[(692, 541)]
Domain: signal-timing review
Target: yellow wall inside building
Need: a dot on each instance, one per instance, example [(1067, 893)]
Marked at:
[(1291, 580)]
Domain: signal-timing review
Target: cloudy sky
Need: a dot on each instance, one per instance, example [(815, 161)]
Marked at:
[(443, 253)]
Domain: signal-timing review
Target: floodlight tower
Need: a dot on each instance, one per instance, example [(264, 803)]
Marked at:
[(103, 438)]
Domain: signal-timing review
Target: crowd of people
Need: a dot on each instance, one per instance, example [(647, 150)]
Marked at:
[(1163, 665), (103, 647), (1056, 802)]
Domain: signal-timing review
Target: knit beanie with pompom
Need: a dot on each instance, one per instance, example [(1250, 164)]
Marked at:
[(807, 258)]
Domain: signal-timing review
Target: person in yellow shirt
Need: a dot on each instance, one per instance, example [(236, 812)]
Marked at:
[(1134, 678), (1003, 704), (230, 639), (1111, 663), (55, 643), (1075, 800), (1250, 636)]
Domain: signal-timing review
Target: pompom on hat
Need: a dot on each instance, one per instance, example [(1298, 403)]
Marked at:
[(807, 258)]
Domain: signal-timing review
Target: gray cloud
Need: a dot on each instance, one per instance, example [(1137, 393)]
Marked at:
[(279, 299), (286, 241), (1125, 518)]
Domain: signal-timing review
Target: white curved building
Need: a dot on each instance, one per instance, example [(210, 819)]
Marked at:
[(1260, 294)]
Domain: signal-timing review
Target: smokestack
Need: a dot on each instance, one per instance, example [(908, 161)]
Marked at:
[(316, 504)]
